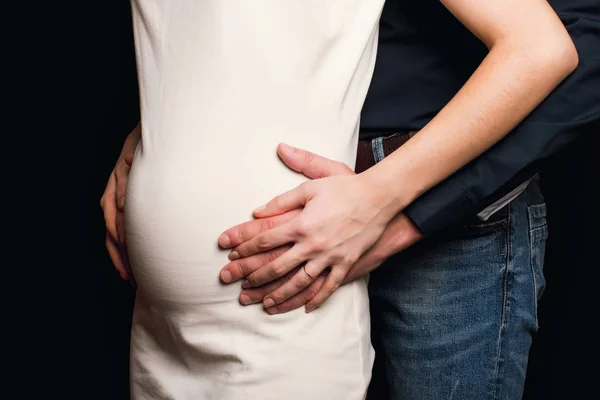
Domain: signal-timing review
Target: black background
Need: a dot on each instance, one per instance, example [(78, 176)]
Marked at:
[(84, 337)]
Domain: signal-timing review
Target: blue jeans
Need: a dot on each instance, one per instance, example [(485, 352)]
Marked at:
[(453, 317)]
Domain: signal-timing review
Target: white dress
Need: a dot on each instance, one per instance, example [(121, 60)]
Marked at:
[(222, 82)]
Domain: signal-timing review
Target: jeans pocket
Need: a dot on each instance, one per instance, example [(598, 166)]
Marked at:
[(496, 223), (538, 233)]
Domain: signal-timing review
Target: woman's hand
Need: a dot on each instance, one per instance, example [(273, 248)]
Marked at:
[(113, 203)]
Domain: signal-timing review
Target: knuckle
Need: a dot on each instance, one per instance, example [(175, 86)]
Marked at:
[(308, 156), (278, 202), (262, 242), (301, 282), (304, 187), (272, 255), (276, 270), (240, 234), (317, 245), (242, 268), (348, 259), (303, 227), (312, 292), (279, 295), (266, 224)]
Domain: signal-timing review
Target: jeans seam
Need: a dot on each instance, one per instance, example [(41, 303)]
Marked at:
[(533, 267), (533, 274), (505, 309)]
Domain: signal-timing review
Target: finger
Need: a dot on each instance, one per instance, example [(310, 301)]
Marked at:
[(256, 295), (120, 226), (129, 159), (265, 241), (290, 200), (109, 206), (115, 256), (300, 299), (300, 281), (333, 281), (399, 234), (310, 164), (241, 233), (367, 263), (275, 269), (243, 267), (121, 176), (127, 265)]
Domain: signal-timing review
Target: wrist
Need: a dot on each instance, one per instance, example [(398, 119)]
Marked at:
[(384, 192), (389, 186)]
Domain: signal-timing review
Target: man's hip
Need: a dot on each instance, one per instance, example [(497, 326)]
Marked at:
[(453, 317)]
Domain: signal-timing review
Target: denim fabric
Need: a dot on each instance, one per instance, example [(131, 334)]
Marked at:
[(453, 317)]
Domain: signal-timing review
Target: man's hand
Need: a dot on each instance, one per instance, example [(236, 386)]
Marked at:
[(298, 285)]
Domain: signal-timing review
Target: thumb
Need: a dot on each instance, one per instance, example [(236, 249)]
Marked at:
[(288, 201), (310, 164)]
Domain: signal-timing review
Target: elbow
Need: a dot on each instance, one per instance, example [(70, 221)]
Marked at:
[(566, 57), (551, 54), (559, 56)]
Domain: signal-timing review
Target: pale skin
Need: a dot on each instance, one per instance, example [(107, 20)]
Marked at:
[(528, 58)]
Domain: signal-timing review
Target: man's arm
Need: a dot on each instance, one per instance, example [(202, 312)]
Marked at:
[(344, 216), (556, 122)]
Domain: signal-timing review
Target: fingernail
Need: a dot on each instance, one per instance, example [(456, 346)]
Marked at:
[(259, 209), (310, 308), (245, 300), (224, 240), (121, 202), (272, 310), (226, 276), (269, 303), (234, 255), (245, 285)]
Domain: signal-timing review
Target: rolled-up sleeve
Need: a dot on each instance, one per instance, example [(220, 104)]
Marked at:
[(571, 108)]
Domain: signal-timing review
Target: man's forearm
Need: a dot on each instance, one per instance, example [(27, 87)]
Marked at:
[(518, 73)]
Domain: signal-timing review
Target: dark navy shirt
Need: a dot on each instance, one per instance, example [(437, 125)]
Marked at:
[(425, 55)]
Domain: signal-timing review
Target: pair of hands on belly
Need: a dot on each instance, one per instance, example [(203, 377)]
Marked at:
[(303, 245), (307, 242)]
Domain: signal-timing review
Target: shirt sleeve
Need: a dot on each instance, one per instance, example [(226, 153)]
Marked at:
[(560, 119)]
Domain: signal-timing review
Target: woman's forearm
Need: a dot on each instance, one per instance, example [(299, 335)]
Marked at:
[(518, 73), (132, 140)]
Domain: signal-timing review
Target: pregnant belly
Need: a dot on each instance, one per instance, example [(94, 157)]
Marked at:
[(175, 211)]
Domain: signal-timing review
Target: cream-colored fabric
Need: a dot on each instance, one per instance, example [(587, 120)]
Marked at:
[(222, 82)]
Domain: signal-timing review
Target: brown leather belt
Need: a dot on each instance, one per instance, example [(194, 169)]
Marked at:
[(365, 157)]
